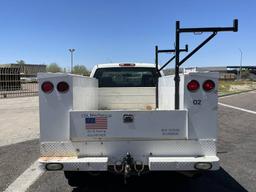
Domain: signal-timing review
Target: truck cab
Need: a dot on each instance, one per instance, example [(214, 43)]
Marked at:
[(122, 120)]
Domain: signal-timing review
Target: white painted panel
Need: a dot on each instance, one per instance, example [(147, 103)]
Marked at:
[(127, 98), (146, 124), (127, 91), (85, 93), (181, 163), (140, 149), (54, 109), (55, 106), (128, 106), (166, 92), (203, 122)]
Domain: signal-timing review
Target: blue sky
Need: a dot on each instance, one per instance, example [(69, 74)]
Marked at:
[(101, 31)]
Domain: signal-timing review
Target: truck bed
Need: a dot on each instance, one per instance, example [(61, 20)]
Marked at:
[(127, 98)]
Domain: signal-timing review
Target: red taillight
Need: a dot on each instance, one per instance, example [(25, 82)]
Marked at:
[(47, 87), (208, 85), (193, 85), (63, 87)]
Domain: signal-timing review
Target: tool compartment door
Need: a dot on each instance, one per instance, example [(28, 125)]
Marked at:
[(113, 125)]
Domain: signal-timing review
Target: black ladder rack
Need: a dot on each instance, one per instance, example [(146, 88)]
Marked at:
[(177, 50)]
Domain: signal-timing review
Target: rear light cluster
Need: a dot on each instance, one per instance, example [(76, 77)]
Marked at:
[(194, 85), (208, 85), (48, 87), (63, 87)]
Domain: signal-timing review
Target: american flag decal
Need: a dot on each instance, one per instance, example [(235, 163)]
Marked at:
[(96, 122)]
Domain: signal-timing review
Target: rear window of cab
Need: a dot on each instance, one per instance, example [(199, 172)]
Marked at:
[(126, 77)]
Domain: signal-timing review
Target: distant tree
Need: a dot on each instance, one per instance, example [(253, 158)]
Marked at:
[(80, 70), (21, 62), (245, 74), (53, 67)]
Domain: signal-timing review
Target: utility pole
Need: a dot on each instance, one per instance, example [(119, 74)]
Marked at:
[(71, 57)]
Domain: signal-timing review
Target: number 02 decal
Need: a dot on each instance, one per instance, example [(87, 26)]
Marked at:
[(197, 101)]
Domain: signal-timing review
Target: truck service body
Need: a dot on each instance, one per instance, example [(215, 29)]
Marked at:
[(87, 127), (128, 118)]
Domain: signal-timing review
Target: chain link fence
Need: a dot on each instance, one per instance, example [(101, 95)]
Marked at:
[(19, 81)]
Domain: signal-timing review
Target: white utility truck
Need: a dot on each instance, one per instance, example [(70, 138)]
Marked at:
[(128, 118), (109, 121)]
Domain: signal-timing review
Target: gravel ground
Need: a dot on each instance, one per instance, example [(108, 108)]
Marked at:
[(19, 120)]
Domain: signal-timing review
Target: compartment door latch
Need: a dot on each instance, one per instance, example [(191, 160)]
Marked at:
[(128, 118)]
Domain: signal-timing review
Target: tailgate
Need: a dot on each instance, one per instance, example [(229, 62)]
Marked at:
[(128, 125)]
